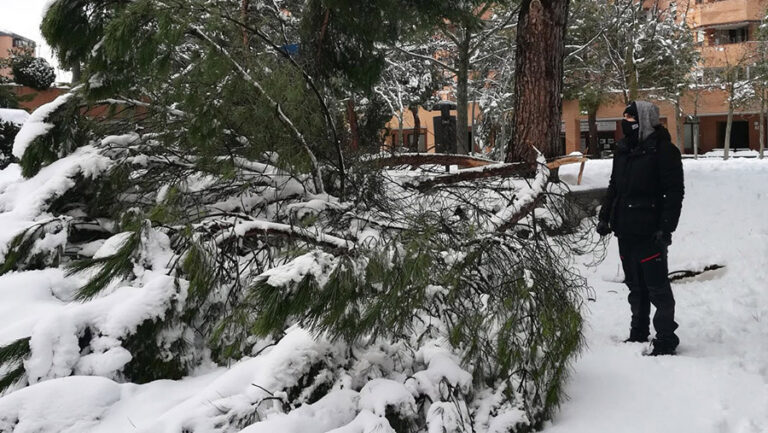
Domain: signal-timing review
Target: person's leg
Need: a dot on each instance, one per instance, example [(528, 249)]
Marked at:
[(654, 270), (638, 298)]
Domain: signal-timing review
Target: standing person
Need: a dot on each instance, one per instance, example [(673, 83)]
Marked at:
[(642, 207)]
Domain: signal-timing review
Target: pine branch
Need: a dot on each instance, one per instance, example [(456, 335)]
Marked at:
[(419, 159), (12, 354), (316, 170), (496, 170), (265, 228)]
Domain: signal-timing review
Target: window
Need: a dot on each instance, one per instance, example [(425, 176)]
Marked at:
[(21, 43), (731, 36)]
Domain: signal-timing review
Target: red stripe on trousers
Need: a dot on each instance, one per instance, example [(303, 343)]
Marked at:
[(650, 258)]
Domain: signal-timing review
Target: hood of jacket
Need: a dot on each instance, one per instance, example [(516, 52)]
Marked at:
[(648, 118)]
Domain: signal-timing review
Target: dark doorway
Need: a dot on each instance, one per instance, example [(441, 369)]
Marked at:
[(739, 134)]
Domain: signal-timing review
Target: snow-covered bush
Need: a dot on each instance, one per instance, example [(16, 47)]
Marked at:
[(34, 72), (8, 131)]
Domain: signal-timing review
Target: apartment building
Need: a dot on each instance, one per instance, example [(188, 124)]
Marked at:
[(725, 32), (29, 99), (11, 41)]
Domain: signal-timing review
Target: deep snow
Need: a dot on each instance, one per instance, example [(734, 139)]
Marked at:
[(718, 383)]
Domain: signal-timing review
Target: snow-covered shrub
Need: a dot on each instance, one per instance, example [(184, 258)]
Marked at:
[(34, 72), (8, 131)]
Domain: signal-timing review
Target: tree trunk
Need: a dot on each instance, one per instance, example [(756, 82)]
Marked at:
[(593, 144), (539, 80), (632, 72), (353, 129), (462, 97), (679, 129), (244, 19), (728, 125), (762, 123), (76, 72), (416, 127)]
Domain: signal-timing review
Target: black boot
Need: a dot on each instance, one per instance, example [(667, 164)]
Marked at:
[(661, 348), (637, 336)]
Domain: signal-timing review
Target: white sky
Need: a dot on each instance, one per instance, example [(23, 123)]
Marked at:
[(23, 17)]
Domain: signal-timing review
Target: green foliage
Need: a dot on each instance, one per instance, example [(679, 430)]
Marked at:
[(11, 358), (21, 251), (8, 98), (8, 131), (148, 363), (110, 268), (67, 134), (34, 72)]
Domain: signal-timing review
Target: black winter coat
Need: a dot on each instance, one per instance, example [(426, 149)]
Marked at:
[(645, 193)]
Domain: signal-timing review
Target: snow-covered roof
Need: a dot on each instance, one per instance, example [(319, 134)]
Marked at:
[(17, 117), (14, 35)]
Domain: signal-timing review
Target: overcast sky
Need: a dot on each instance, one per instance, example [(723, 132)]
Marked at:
[(23, 17)]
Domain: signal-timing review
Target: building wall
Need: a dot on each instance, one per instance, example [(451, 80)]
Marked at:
[(37, 97)]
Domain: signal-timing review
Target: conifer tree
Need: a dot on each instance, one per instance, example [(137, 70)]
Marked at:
[(201, 177)]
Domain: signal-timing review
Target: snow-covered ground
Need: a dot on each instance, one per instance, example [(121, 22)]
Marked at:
[(718, 383)]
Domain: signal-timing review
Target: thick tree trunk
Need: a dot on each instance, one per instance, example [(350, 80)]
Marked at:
[(462, 97), (76, 72), (539, 80), (416, 128), (593, 144)]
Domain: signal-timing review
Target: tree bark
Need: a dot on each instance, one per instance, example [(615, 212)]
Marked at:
[(76, 72), (679, 123), (593, 145), (728, 125), (244, 19), (416, 127), (539, 80), (762, 123), (462, 96)]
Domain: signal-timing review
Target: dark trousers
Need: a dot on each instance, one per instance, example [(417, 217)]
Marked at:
[(645, 273)]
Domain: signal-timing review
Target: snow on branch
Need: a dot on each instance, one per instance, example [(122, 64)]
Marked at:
[(419, 159), (525, 201), (495, 170), (264, 228)]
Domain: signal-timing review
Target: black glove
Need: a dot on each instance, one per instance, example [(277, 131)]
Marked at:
[(603, 229), (662, 239)]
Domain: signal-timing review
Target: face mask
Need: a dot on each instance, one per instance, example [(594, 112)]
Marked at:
[(630, 129)]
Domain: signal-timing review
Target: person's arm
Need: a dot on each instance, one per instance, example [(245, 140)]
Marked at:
[(610, 195), (672, 186)]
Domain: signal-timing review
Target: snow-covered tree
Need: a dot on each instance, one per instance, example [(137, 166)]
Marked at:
[(211, 213)]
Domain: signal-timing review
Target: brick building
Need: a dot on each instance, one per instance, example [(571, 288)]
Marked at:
[(725, 32), (30, 98)]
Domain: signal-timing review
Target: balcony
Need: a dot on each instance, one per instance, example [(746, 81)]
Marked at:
[(729, 11), (717, 56)]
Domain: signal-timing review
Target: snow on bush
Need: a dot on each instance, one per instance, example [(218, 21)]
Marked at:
[(33, 72)]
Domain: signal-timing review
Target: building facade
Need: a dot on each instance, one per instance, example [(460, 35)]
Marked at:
[(725, 32)]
